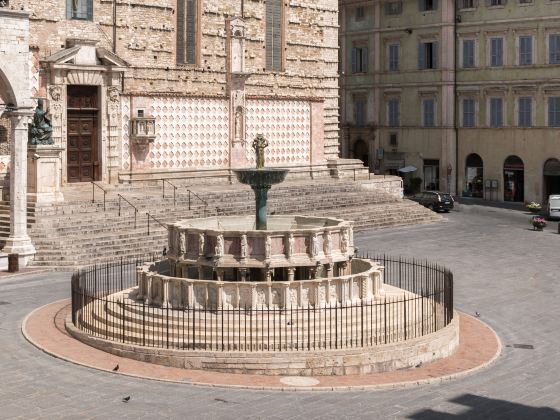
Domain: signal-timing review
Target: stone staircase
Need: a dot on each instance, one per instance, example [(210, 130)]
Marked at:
[(79, 232)]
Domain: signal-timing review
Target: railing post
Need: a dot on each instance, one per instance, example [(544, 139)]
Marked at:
[(163, 184), (135, 213), (104, 200), (189, 199), (174, 196), (92, 192), (119, 205), (148, 214)]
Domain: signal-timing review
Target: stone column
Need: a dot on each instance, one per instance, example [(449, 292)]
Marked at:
[(19, 242), (291, 273)]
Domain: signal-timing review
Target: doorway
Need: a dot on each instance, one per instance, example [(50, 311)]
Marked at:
[(82, 141), (551, 175), (431, 174), (361, 151), (474, 175), (514, 174)]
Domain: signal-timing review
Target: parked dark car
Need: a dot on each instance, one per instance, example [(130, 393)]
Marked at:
[(434, 200)]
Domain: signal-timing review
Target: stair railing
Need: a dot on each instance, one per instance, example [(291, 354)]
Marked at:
[(131, 205), (152, 217), (174, 190), (201, 199), (93, 185)]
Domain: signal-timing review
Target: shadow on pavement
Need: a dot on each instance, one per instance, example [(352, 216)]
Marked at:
[(488, 408)]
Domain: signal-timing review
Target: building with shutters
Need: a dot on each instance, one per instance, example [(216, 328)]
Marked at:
[(174, 88), (466, 91)]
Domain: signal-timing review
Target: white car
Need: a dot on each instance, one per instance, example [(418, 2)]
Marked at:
[(554, 206)]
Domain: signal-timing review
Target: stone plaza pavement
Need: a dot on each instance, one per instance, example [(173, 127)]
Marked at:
[(502, 269)]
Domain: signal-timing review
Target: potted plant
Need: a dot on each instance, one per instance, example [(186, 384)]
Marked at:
[(538, 222), (534, 207)]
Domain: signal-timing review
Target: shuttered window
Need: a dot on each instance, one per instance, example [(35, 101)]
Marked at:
[(393, 113), (525, 50), (554, 111), (360, 112), (428, 110), (496, 52), (274, 35), (427, 5), (524, 112), (554, 49), (427, 55), (468, 113), (394, 50), (359, 60), (393, 8), (79, 9), (468, 53), (187, 31), (496, 112)]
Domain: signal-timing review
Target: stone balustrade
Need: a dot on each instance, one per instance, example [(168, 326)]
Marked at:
[(289, 241), (161, 290)]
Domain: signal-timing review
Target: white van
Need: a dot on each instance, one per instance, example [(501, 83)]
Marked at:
[(554, 206)]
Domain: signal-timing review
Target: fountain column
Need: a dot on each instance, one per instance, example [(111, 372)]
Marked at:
[(261, 197)]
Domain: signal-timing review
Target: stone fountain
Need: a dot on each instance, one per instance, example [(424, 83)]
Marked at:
[(260, 180)]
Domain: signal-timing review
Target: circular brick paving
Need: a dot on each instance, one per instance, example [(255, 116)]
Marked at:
[(479, 346)]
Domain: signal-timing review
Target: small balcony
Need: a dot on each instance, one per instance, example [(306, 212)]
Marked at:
[(143, 129)]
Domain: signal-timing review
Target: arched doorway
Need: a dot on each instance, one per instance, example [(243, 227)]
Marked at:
[(514, 174), (361, 151), (474, 176), (551, 177)]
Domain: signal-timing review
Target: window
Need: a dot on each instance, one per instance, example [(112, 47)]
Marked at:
[(496, 112), (393, 139), (394, 50), (427, 5), (468, 53), (524, 112), (393, 111), (525, 50), (79, 9), (393, 8), (554, 111), (274, 35), (187, 31), (360, 12), (554, 49), (427, 55), (496, 52), (359, 60), (496, 2), (468, 113), (428, 109), (467, 4), (360, 112), (525, 1)]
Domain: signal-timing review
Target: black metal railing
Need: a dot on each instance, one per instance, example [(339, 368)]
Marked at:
[(95, 185), (423, 305), (156, 220), (131, 205), (163, 182)]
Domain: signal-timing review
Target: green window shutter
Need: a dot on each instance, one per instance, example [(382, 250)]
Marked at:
[(434, 55), (435, 4), (89, 11), (273, 36), (68, 9), (191, 31), (421, 56), (181, 31), (365, 59)]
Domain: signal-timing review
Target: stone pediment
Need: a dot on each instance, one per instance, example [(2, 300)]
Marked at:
[(85, 53)]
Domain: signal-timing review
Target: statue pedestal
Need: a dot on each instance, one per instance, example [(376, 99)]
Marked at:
[(44, 174)]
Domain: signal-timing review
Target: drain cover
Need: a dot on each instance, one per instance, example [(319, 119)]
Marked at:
[(299, 381), (522, 346)]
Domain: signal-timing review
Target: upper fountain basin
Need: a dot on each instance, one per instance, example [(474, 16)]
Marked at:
[(264, 176)]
